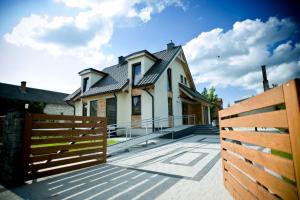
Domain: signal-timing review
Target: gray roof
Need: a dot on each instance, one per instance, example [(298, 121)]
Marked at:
[(73, 95), (93, 70), (13, 92), (194, 93), (117, 77), (115, 81), (151, 76)]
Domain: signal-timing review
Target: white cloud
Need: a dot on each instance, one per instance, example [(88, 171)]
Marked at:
[(85, 34), (234, 57)]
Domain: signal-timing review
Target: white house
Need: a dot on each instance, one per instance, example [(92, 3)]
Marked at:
[(141, 86)]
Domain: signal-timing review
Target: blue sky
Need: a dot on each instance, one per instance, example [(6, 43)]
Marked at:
[(47, 42)]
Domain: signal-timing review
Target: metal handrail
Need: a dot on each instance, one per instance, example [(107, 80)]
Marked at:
[(114, 128)]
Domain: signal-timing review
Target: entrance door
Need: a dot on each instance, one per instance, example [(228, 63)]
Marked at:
[(111, 111), (184, 112)]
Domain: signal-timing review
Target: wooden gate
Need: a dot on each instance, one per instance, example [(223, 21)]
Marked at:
[(260, 141), (58, 143)]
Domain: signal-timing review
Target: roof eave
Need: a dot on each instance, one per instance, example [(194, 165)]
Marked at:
[(106, 92)]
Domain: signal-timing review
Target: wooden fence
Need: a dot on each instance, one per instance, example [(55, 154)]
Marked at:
[(260, 141), (57, 143)]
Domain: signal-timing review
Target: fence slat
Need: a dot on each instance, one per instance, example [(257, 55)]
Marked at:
[(64, 162), (64, 140), (66, 117), (253, 187), (63, 169), (68, 132), (268, 119), (54, 149), (278, 186), (237, 187), (63, 155), (275, 141), (48, 125), (275, 163), (266, 99), (292, 100)]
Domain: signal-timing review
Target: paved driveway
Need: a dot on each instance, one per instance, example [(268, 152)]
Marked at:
[(189, 168)]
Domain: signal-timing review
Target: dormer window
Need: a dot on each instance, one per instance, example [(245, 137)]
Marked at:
[(185, 83), (85, 84), (136, 73)]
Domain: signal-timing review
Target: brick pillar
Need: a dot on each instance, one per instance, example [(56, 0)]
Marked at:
[(12, 173)]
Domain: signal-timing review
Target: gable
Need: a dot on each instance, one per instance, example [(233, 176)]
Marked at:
[(181, 59), (180, 67)]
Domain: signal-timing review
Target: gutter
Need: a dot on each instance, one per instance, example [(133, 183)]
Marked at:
[(73, 106), (116, 104), (152, 97)]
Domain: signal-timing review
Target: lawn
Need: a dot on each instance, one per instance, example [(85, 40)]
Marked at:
[(287, 156), (109, 142)]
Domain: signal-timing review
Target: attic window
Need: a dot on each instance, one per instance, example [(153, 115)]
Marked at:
[(85, 83), (169, 80), (181, 79), (184, 80), (136, 73)]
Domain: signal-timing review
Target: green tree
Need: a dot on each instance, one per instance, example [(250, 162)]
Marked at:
[(204, 92), (37, 107), (212, 97)]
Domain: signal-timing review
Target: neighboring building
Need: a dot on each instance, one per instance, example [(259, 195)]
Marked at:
[(141, 86), (13, 97)]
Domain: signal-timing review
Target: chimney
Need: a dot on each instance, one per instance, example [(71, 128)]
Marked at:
[(265, 80), (121, 59), (23, 86), (170, 45)]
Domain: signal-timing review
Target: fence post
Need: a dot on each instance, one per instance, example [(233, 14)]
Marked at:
[(12, 154), (104, 140), (291, 91)]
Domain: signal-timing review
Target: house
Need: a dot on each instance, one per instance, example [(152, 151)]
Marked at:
[(14, 97), (142, 86)]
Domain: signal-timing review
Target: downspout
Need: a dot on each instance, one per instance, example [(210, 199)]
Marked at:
[(116, 103), (73, 106), (152, 97)]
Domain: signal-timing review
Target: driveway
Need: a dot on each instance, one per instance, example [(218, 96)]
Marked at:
[(188, 168)]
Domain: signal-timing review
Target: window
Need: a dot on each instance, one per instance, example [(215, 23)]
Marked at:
[(84, 109), (170, 107), (169, 79), (181, 79), (136, 73), (136, 105), (184, 81), (93, 108), (85, 84)]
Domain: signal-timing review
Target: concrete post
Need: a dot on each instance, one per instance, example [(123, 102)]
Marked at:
[(209, 121), (12, 173)]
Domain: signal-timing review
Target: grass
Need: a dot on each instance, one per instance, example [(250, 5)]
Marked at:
[(287, 156), (109, 142)]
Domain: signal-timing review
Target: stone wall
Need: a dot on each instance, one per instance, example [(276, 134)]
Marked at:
[(101, 108), (11, 157), (58, 109)]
